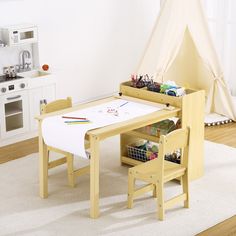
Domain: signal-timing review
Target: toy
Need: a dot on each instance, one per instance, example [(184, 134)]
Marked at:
[(45, 67)]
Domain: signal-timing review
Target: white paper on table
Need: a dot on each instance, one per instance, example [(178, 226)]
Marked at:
[(70, 138)]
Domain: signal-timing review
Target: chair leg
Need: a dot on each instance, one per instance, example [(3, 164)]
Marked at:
[(48, 153), (70, 170), (160, 201), (131, 185), (185, 183)]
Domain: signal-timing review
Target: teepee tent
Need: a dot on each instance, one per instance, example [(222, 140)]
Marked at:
[(180, 49)]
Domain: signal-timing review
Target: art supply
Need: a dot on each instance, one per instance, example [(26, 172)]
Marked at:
[(72, 117), (77, 121), (124, 104)]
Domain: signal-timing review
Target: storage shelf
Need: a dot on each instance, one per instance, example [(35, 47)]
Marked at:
[(191, 113), (130, 161), (142, 135), (12, 111), (133, 162)]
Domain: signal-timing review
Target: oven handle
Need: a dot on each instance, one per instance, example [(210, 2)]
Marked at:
[(12, 98)]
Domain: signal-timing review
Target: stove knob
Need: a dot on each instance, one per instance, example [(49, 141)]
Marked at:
[(22, 85), (3, 90)]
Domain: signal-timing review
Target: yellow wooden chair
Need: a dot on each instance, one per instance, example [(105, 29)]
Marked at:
[(69, 158), (159, 171)]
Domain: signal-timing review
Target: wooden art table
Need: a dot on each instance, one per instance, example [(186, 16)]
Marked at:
[(95, 136)]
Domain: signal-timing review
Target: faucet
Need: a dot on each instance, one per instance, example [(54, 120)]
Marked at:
[(23, 55)]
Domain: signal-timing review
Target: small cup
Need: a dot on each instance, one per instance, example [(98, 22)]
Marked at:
[(6, 71), (12, 72)]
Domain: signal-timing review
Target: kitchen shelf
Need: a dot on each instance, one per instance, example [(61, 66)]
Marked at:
[(12, 111)]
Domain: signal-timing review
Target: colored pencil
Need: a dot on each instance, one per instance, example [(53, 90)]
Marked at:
[(76, 121), (72, 117), (123, 104)]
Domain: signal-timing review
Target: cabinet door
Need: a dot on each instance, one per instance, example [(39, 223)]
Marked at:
[(36, 96), (49, 93)]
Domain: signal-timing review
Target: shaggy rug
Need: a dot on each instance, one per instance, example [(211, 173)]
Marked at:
[(66, 211)]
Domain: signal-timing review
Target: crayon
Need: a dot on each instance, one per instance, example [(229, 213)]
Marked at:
[(72, 117)]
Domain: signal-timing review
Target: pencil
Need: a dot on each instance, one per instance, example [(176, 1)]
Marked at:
[(76, 118), (123, 104), (76, 121)]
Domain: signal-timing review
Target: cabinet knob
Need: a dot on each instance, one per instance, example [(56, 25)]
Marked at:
[(22, 85), (3, 90)]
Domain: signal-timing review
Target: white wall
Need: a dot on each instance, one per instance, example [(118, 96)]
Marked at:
[(91, 45)]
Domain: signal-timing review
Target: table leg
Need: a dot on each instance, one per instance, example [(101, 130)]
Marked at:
[(94, 177), (43, 166)]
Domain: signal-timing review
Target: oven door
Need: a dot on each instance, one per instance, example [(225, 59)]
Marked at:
[(14, 114)]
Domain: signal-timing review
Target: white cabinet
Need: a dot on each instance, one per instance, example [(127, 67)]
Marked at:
[(18, 109), (36, 97)]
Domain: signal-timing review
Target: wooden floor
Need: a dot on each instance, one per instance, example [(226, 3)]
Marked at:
[(18, 150), (225, 134), (225, 228)]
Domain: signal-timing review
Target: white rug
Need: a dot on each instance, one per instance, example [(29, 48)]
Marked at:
[(216, 119), (66, 211)]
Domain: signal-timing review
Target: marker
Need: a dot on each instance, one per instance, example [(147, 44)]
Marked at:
[(78, 123), (76, 118), (123, 104)]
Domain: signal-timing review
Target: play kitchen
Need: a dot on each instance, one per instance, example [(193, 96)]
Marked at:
[(23, 86)]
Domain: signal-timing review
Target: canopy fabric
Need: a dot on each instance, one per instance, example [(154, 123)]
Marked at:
[(180, 49)]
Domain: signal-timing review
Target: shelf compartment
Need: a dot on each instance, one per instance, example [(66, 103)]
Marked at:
[(13, 112), (130, 161), (141, 135), (14, 122), (13, 108), (14, 115), (133, 162)]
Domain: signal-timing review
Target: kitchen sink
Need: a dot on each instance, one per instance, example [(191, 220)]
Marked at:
[(34, 74)]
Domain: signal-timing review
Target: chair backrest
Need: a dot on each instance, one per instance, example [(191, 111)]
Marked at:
[(175, 140), (56, 105)]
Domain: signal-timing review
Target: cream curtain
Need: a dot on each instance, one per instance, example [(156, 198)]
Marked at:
[(219, 98), (165, 40), (180, 48)]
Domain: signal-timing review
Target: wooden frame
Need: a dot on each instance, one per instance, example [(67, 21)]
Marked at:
[(95, 136), (159, 171), (192, 107), (58, 105)]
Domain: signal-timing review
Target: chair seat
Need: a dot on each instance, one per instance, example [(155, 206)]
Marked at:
[(148, 170)]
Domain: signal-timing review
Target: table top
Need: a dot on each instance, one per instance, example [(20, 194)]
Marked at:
[(125, 126)]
